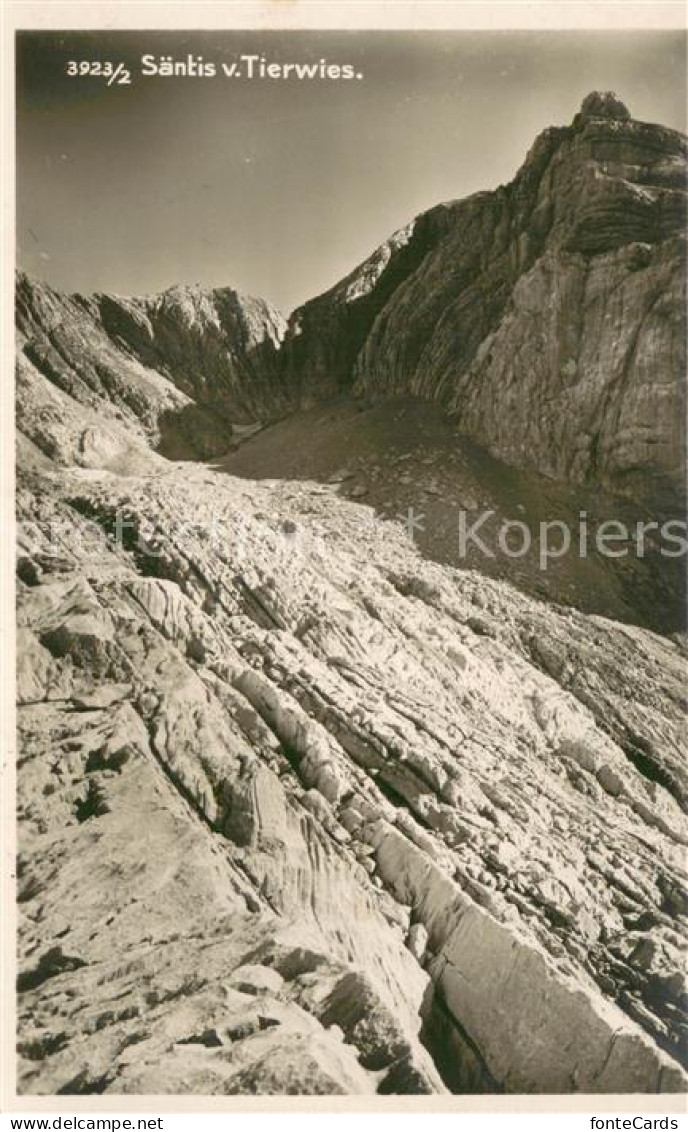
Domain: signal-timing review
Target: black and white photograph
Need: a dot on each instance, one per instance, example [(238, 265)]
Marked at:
[(350, 597)]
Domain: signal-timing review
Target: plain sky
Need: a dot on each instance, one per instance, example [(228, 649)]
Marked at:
[(279, 187)]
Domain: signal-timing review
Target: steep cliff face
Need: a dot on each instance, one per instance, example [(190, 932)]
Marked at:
[(99, 376), (547, 316)]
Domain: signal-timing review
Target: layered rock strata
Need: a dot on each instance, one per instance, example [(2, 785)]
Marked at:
[(302, 812), (547, 316)]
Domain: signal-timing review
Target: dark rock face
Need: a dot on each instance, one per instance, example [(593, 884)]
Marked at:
[(300, 811), (99, 374), (218, 346), (547, 316)]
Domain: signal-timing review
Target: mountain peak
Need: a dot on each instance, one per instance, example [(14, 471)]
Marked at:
[(603, 104)]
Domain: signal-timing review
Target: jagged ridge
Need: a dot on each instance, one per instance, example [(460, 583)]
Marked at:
[(101, 375)]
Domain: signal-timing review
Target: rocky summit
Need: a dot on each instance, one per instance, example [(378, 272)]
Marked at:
[(534, 313), (302, 810)]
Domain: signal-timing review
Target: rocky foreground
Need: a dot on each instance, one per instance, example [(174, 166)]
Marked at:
[(302, 812), (547, 315)]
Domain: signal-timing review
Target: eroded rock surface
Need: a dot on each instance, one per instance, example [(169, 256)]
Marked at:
[(302, 812)]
